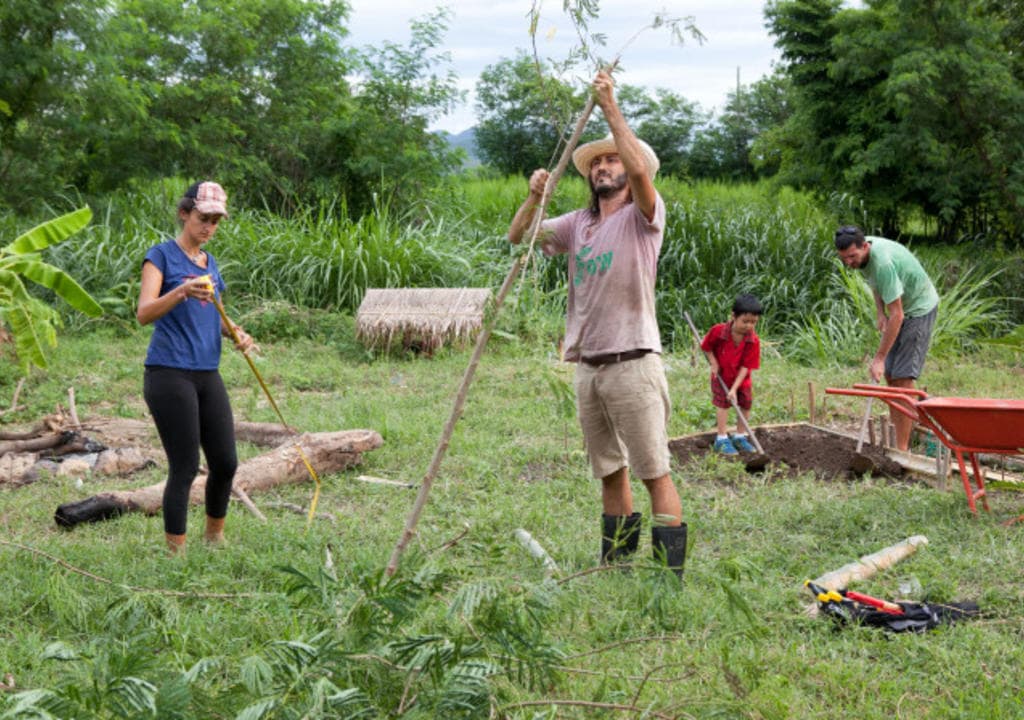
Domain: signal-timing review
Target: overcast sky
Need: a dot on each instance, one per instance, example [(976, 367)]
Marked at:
[(483, 32)]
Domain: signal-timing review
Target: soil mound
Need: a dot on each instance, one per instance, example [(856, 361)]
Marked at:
[(798, 449)]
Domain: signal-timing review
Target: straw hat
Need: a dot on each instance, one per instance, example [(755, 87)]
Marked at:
[(584, 154)]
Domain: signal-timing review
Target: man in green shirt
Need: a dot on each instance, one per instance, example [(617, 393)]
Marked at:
[(906, 303)]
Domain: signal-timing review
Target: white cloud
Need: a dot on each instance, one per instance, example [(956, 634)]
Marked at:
[(482, 32)]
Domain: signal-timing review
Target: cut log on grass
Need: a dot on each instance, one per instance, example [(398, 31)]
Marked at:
[(871, 564), (262, 434), (138, 432), (35, 444), (328, 451)]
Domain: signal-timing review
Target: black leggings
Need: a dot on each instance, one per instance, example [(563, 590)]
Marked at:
[(191, 409)]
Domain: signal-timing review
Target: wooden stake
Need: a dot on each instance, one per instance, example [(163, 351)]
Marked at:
[(810, 401), (247, 501), (17, 392), (72, 409)]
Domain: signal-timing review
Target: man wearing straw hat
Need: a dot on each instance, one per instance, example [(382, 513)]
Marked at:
[(612, 331)]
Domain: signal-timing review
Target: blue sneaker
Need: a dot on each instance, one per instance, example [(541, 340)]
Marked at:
[(725, 446), (741, 443)]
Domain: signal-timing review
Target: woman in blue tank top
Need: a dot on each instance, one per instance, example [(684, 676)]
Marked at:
[(182, 385)]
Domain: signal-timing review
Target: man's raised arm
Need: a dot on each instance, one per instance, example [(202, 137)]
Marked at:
[(630, 152)]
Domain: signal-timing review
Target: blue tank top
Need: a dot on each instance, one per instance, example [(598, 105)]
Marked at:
[(188, 337)]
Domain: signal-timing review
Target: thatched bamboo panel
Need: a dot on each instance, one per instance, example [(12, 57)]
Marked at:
[(421, 319)]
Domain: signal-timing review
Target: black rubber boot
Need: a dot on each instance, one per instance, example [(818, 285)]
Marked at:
[(669, 546), (620, 537)]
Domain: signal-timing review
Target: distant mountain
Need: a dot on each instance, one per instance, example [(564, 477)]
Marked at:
[(467, 141)]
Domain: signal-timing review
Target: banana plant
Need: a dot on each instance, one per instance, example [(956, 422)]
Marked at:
[(32, 322)]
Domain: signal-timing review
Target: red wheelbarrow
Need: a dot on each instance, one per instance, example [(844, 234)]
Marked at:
[(967, 426)]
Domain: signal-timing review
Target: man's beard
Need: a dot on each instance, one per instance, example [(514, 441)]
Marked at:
[(612, 185)]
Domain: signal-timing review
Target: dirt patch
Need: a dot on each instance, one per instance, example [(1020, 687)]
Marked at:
[(797, 449)]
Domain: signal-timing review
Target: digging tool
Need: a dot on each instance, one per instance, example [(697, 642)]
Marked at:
[(758, 461), (861, 463)]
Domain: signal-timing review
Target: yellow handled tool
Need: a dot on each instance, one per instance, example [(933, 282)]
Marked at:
[(252, 366)]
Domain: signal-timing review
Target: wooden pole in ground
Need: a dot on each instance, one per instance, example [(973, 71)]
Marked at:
[(481, 342), (810, 401), (73, 409)]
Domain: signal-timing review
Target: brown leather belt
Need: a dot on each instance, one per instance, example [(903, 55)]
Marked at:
[(614, 357)]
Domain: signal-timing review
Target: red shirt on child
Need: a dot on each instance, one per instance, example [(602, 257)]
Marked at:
[(731, 356)]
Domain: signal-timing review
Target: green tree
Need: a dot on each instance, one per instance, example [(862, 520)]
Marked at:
[(911, 105), (253, 92), (522, 111), (666, 121), (381, 143), (41, 64), (728, 148), (805, 144)]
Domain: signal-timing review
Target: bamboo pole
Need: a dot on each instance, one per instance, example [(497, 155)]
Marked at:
[(536, 550), (467, 379), (870, 564)]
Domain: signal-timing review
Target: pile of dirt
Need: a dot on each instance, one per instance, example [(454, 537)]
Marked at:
[(797, 449)]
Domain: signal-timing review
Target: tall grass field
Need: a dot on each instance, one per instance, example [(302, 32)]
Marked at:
[(291, 621)]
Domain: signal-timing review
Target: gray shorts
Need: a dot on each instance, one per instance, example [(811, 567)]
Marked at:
[(906, 357)]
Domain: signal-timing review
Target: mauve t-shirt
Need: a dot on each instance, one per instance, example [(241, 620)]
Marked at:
[(613, 266)]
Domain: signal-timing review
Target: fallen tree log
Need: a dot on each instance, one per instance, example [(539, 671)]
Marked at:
[(327, 452), (121, 431), (125, 446), (263, 434), (34, 444)]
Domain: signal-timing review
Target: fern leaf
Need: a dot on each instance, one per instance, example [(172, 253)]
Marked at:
[(173, 698), (469, 597), (352, 704), (132, 697), (257, 675), (258, 711)]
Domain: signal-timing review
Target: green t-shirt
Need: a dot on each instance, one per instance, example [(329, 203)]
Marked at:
[(893, 272)]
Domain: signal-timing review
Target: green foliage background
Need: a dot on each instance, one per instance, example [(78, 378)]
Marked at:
[(720, 240)]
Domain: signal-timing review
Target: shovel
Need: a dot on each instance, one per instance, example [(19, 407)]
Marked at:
[(861, 463), (758, 461)]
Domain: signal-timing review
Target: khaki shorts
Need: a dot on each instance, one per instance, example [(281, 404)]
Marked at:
[(623, 410)]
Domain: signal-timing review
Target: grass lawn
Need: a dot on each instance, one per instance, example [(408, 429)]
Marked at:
[(470, 626)]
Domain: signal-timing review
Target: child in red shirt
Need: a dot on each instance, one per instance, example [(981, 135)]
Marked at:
[(734, 351)]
